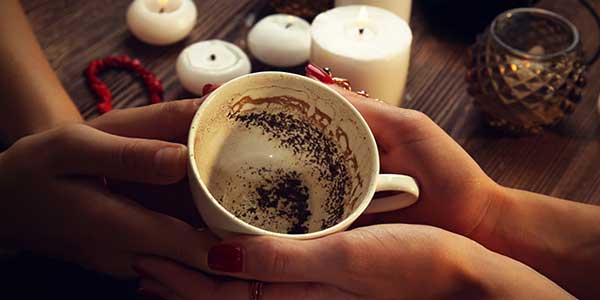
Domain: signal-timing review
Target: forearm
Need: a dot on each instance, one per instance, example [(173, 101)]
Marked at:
[(559, 238), (496, 277), (33, 98)]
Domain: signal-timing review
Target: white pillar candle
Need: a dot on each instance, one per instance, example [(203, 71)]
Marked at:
[(280, 40), (400, 7), (161, 22), (212, 61), (368, 45)]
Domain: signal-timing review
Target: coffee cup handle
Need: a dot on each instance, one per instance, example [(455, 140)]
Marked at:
[(406, 185)]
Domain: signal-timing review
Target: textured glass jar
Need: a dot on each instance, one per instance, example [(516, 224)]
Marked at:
[(527, 70)]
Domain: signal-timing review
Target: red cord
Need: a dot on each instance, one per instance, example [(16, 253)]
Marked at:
[(98, 87)]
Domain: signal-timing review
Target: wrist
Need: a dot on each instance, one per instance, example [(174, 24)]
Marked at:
[(499, 277), (488, 231), (479, 273), (57, 110), (36, 118), (461, 258)]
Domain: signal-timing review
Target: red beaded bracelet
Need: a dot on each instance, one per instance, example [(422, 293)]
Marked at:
[(98, 87)]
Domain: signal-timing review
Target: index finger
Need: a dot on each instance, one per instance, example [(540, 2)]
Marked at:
[(168, 121)]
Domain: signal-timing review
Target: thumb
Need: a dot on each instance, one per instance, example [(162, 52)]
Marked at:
[(281, 260), (83, 150)]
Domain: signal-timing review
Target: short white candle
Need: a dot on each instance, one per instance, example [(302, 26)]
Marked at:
[(212, 61), (280, 40), (368, 45), (161, 22), (400, 7)]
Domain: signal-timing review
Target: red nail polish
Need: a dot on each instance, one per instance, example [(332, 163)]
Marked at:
[(208, 88), (141, 272), (147, 292), (322, 76), (225, 258)]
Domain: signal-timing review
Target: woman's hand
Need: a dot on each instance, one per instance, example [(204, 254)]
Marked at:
[(556, 237), (392, 261), (455, 194), (55, 199)]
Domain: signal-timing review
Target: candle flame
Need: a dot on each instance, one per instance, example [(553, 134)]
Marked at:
[(163, 3), (290, 22), (363, 15), (362, 19)]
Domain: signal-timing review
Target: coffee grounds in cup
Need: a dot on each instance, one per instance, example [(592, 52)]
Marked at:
[(278, 200), (304, 138), (289, 196)]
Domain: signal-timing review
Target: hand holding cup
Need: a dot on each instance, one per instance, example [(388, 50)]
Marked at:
[(280, 154)]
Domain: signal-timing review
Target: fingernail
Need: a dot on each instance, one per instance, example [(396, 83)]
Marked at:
[(208, 88), (140, 271), (320, 74), (148, 293), (168, 160), (225, 258)]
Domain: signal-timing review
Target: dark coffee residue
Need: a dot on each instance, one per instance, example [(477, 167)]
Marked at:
[(289, 197), (278, 200), (302, 137)]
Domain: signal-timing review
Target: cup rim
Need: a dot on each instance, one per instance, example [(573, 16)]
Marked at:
[(536, 11), (255, 229)]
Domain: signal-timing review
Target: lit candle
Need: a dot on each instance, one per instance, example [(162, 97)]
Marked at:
[(212, 61), (280, 40), (399, 7), (161, 22), (369, 46)]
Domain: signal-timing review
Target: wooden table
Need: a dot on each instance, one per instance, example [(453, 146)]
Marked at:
[(564, 162)]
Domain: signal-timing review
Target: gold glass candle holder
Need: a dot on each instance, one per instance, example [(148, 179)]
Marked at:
[(527, 70)]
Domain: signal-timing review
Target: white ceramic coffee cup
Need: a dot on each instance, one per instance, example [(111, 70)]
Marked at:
[(218, 146)]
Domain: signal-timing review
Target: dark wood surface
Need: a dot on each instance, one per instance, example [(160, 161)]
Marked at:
[(564, 162)]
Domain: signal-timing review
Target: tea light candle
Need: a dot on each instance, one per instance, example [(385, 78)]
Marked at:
[(212, 61), (400, 7), (280, 40), (368, 45), (161, 22)]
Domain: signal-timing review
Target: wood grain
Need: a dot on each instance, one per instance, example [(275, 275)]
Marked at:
[(564, 162)]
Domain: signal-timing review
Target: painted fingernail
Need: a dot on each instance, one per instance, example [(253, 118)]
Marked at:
[(225, 258), (141, 272), (318, 73), (208, 88)]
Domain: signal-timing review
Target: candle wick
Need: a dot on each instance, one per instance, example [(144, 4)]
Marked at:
[(213, 57), (361, 31), (288, 25), (162, 10)]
